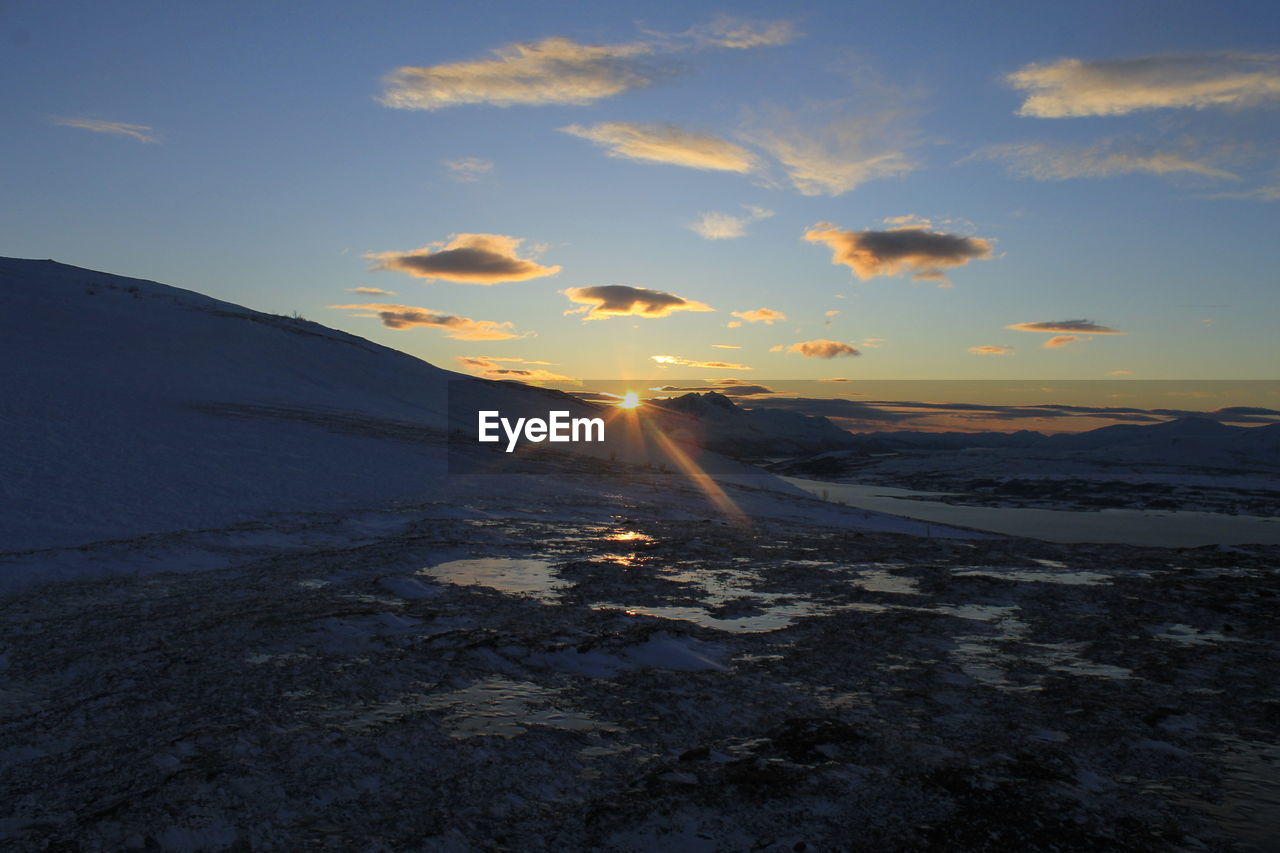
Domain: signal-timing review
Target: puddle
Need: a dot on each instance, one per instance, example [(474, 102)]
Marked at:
[(1051, 572), (528, 577), (879, 580), (773, 619)]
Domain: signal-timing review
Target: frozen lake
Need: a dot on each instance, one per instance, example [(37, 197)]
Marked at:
[(1125, 526)]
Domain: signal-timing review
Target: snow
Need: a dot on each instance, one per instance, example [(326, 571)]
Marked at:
[(136, 409)]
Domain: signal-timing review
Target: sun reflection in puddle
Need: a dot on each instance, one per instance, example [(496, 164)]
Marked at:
[(529, 577)]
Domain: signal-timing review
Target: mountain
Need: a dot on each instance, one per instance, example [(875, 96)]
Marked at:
[(131, 407), (713, 421)]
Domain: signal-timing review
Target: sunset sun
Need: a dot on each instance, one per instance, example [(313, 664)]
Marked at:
[(629, 401)]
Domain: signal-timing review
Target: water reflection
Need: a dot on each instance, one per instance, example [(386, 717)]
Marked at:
[(529, 577)]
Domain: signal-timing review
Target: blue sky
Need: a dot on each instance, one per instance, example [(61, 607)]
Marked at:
[(1079, 170)]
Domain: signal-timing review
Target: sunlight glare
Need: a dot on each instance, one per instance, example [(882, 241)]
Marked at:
[(630, 400)]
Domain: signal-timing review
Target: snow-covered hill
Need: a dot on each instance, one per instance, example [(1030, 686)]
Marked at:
[(130, 407)]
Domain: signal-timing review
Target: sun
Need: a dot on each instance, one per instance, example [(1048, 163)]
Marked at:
[(630, 400)]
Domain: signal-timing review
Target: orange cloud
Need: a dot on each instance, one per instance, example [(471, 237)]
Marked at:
[(990, 349), (1075, 87), (492, 367), (468, 258), (551, 71), (371, 291), (872, 253), (760, 315), (1052, 326), (726, 346), (665, 143), (617, 300), (677, 361), (408, 317), (821, 348), (1120, 373), (1059, 341)]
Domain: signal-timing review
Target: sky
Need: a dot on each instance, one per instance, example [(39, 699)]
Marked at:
[(756, 191)]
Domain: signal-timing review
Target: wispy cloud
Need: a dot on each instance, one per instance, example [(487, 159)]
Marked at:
[(1119, 372), (726, 346), (468, 258), (1059, 341), (1087, 327), (821, 348), (409, 316), (726, 226), (371, 291), (1264, 193), (822, 155), (617, 300), (678, 361), (1076, 87), (1048, 162), (732, 31), (760, 315), (494, 367), (991, 349), (559, 70), (468, 170), (551, 71), (666, 143), (140, 132), (923, 252)]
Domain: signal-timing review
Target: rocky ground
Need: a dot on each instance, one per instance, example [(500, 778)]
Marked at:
[(617, 677)]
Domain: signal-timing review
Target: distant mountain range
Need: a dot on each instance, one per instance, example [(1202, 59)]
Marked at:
[(718, 423)]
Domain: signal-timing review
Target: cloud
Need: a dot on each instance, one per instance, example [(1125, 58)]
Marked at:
[(140, 132), (551, 71), (666, 143), (733, 324), (1053, 326), (1119, 372), (492, 367), (678, 361), (726, 226), (1263, 193), (1075, 87), (1059, 341), (991, 349), (468, 170), (872, 253), (739, 33), (821, 348), (371, 291), (1045, 162), (469, 258), (726, 346), (760, 315), (618, 300), (832, 157), (408, 317)]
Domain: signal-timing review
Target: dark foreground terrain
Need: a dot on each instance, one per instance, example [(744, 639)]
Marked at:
[(619, 678)]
